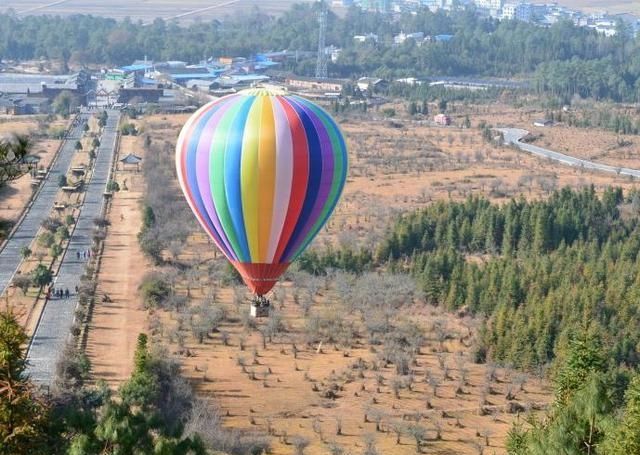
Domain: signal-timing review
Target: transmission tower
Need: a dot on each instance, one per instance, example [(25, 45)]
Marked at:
[(321, 63)]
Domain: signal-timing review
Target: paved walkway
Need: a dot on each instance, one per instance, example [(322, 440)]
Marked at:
[(514, 136), (53, 329), (40, 208)]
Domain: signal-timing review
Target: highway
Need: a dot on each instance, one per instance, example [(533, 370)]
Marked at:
[(58, 315), (513, 136), (40, 209)]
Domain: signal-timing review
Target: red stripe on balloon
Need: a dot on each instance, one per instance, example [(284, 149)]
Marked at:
[(260, 278), (300, 176)]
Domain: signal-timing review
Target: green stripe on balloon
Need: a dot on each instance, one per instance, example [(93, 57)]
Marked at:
[(216, 175)]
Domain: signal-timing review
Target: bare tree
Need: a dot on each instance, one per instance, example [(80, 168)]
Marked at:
[(434, 382), (419, 435), (300, 443)]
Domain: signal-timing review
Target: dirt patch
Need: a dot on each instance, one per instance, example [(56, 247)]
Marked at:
[(118, 316)]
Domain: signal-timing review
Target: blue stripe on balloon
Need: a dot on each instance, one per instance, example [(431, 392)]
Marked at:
[(192, 148), (313, 185), (343, 151), (232, 173)]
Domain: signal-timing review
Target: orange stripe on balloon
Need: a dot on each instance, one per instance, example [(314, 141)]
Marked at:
[(267, 176)]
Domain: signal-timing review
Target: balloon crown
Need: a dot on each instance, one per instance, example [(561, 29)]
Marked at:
[(264, 90)]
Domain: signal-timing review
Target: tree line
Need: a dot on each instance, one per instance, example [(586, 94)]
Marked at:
[(536, 270), (555, 284), (565, 59), (154, 411)]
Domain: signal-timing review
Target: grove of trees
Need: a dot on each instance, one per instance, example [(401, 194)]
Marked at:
[(564, 59)]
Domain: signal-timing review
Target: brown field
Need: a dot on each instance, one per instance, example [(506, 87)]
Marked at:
[(265, 388), (293, 386), (147, 10), (594, 144), (150, 9)]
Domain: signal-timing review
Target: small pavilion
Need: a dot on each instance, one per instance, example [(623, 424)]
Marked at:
[(131, 160)]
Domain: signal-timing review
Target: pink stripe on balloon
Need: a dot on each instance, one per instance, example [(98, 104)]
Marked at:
[(181, 163), (284, 177)]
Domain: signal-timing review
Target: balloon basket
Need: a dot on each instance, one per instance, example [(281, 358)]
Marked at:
[(260, 307)]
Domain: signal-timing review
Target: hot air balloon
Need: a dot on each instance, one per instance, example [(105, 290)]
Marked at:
[(262, 171)]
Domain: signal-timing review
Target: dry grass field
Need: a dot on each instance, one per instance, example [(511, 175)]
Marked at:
[(288, 384), (147, 10), (299, 382)]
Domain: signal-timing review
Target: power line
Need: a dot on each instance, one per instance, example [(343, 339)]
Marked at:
[(321, 63)]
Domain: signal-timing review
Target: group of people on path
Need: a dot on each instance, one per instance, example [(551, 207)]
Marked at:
[(59, 293), (84, 254)]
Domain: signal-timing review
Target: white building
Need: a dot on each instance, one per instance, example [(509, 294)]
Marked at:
[(369, 37), (418, 37), (435, 5), (490, 4), (518, 11)]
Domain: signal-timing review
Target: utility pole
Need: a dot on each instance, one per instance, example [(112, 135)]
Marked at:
[(321, 63)]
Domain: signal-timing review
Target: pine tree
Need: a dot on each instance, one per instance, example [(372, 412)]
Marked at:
[(584, 358), (22, 413), (624, 438)]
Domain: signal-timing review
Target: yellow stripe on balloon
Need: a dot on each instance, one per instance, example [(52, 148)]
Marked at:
[(249, 176), (267, 173)]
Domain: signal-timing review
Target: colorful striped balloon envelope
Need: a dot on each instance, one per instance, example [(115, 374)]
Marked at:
[(262, 170)]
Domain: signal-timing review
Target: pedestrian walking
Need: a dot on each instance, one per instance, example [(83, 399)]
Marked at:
[(66, 293), (76, 288), (78, 255)]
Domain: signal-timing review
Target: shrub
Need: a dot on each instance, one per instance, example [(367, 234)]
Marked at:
[(128, 129), (55, 251), (62, 233), (51, 224), (113, 186), (154, 289), (46, 239), (41, 276), (22, 282), (25, 252), (101, 222)]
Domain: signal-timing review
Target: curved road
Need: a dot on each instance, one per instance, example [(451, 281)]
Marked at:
[(513, 136)]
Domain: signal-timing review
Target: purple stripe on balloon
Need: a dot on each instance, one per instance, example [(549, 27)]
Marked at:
[(203, 154), (190, 149), (326, 176)]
